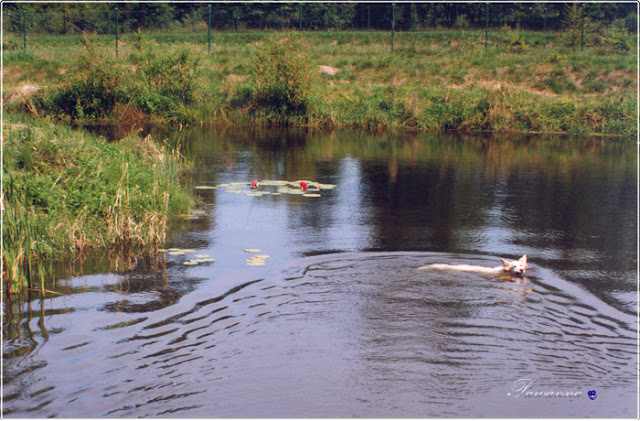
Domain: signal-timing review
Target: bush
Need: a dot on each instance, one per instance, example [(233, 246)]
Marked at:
[(282, 76), (462, 22), (163, 76), (618, 39), (9, 42), (92, 91)]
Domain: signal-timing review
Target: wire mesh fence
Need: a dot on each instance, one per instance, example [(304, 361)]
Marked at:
[(199, 20)]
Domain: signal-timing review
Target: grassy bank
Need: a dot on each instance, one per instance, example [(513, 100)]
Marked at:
[(524, 82), (66, 191)]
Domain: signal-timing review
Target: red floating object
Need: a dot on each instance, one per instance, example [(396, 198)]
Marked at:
[(304, 186), (254, 184)]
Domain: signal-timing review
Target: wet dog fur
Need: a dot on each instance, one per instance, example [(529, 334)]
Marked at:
[(515, 267)]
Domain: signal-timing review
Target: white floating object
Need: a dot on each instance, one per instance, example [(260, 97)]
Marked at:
[(252, 250)]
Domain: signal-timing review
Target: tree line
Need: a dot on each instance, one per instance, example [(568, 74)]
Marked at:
[(340, 16)]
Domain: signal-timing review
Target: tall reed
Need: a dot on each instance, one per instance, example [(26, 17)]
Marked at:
[(68, 192)]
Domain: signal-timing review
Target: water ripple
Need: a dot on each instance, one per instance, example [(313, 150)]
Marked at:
[(364, 331)]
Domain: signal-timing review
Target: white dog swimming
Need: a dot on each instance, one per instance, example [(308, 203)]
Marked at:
[(516, 267)]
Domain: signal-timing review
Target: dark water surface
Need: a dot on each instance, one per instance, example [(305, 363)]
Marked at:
[(338, 323)]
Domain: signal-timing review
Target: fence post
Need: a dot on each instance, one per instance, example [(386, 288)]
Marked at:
[(300, 16), (486, 29), (582, 40), (456, 17), (116, 31), (281, 17), (24, 31), (393, 23), (209, 30)]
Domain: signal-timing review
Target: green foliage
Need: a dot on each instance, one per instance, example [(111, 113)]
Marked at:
[(462, 22), (9, 42), (233, 86), (163, 78), (631, 23), (573, 23), (516, 39), (618, 39), (282, 76), (92, 91), (152, 81), (68, 191)]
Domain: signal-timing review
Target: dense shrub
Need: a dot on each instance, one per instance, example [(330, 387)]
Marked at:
[(618, 39), (152, 81), (282, 76), (163, 78), (92, 91)]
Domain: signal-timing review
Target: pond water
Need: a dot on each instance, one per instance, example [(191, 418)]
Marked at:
[(337, 321)]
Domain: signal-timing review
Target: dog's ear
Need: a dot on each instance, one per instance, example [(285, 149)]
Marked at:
[(506, 264), (523, 260)]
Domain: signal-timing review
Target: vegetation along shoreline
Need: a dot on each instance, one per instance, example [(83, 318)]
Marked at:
[(66, 191)]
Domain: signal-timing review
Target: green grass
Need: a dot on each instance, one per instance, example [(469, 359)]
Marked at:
[(434, 80), (66, 192)]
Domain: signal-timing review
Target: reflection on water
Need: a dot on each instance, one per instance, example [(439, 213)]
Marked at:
[(338, 323)]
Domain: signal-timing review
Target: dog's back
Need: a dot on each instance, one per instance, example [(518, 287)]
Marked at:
[(516, 267), (464, 268)]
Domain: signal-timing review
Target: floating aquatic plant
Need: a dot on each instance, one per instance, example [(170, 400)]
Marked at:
[(258, 260), (194, 262), (257, 188), (199, 258)]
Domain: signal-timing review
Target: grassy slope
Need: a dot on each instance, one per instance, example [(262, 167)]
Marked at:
[(432, 80), (66, 191)]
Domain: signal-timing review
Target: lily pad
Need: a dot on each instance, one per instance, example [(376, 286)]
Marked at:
[(326, 186), (273, 182), (311, 195), (205, 187), (252, 250)]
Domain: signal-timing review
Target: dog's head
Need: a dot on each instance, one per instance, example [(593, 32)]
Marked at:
[(517, 267)]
